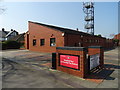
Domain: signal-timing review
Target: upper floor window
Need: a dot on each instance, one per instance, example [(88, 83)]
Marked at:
[(52, 42), (42, 42), (34, 42)]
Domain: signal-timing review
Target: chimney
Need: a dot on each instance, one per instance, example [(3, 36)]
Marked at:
[(77, 29), (3, 29), (11, 29)]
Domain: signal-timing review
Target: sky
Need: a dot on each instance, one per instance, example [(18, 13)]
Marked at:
[(63, 14)]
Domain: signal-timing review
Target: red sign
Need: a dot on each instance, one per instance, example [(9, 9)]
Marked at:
[(69, 61)]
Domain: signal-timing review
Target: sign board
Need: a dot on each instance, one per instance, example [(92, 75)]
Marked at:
[(94, 61), (69, 61)]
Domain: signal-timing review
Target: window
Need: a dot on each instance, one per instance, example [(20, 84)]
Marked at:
[(93, 40), (34, 42), (42, 42), (90, 40), (96, 41), (52, 42), (99, 41)]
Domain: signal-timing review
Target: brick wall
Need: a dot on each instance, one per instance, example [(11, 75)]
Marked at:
[(85, 40), (40, 32), (117, 36), (92, 50), (82, 65), (109, 43), (26, 36), (83, 62)]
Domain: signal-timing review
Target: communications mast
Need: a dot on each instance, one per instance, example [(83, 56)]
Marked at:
[(88, 8)]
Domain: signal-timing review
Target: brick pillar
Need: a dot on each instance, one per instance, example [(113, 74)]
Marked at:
[(92, 50)]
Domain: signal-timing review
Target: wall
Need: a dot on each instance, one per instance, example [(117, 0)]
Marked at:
[(82, 61), (84, 40), (26, 40), (117, 36), (92, 50), (109, 43), (78, 40), (65, 61), (40, 32)]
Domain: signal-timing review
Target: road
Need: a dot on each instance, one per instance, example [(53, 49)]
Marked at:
[(26, 73)]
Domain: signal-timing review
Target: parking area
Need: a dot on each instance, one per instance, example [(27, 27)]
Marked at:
[(27, 69)]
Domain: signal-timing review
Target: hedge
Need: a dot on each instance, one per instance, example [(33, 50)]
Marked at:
[(3, 46), (10, 45)]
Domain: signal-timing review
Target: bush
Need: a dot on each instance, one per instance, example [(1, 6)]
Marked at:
[(21, 44), (12, 44), (2, 46), (116, 40), (9, 45)]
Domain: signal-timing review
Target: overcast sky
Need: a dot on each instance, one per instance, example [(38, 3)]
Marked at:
[(63, 14)]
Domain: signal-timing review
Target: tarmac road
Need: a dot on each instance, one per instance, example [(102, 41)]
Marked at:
[(18, 76), (23, 75)]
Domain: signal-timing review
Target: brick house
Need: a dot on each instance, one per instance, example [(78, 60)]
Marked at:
[(45, 38), (117, 37)]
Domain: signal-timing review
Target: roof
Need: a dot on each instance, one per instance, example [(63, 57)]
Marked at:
[(10, 33), (65, 30), (3, 33), (18, 37), (117, 36)]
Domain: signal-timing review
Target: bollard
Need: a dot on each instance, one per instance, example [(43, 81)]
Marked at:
[(53, 60)]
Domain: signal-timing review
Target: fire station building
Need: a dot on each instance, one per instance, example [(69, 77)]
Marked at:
[(45, 38)]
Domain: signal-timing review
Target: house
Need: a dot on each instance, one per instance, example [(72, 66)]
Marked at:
[(19, 38), (7, 35), (45, 38), (3, 33), (117, 36)]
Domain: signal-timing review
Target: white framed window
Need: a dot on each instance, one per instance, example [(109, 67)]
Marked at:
[(52, 42)]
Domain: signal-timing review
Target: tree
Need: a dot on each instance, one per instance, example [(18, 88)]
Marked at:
[(116, 41), (99, 35)]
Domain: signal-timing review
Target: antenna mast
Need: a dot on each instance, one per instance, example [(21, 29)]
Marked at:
[(88, 8)]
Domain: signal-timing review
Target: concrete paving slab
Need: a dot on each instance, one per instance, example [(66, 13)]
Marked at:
[(108, 84)]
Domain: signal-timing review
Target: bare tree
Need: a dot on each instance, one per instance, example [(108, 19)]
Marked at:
[(112, 35), (2, 9)]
